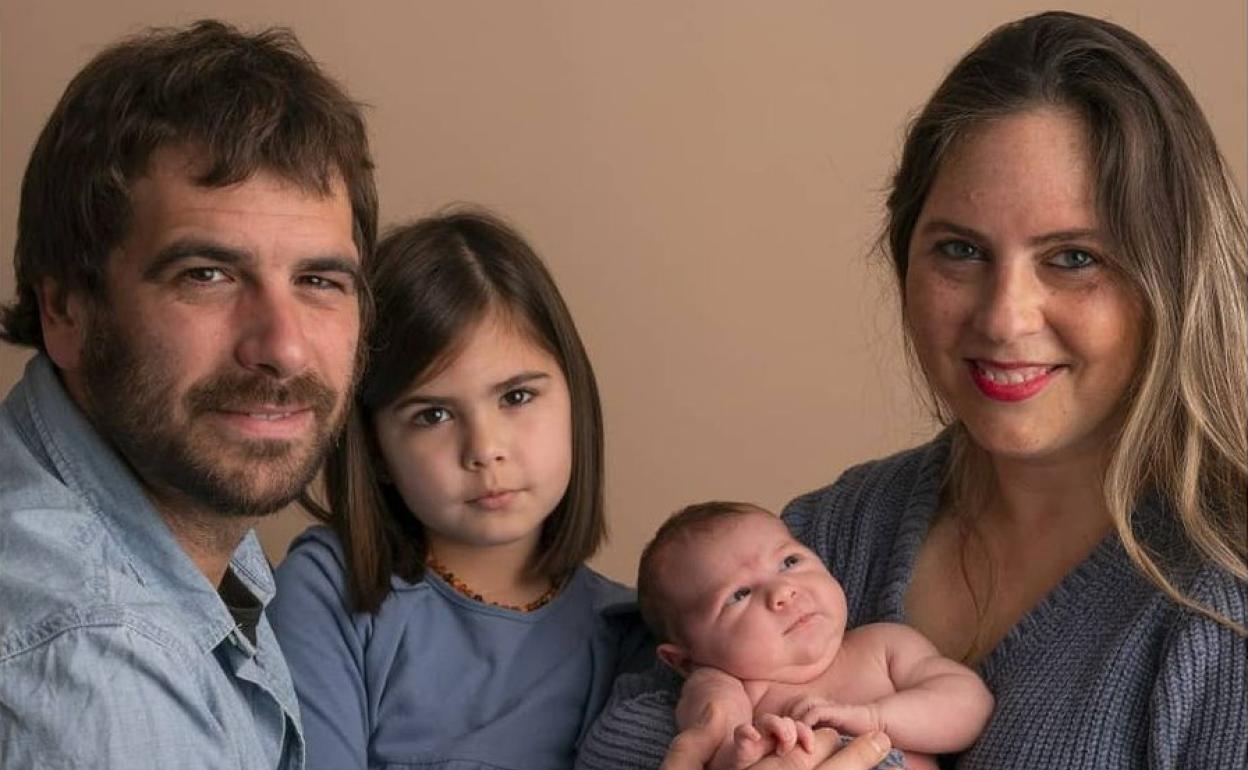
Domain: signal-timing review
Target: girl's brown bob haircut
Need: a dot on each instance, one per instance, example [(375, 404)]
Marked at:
[(432, 281)]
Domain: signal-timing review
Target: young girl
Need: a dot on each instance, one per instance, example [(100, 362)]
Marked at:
[(445, 618)]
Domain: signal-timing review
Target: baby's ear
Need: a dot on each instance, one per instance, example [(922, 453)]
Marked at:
[(675, 657)]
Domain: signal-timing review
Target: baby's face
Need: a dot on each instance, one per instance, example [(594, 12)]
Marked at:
[(750, 600)]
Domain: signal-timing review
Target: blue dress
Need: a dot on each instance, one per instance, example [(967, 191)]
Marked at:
[(438, 681)]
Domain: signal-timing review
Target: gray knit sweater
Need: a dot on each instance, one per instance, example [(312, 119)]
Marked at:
[(1104, 673)]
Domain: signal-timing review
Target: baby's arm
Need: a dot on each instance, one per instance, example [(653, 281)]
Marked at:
[(938, 705), (744, 740)]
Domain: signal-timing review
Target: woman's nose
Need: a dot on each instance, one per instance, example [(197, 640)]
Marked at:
[(1011, 301)]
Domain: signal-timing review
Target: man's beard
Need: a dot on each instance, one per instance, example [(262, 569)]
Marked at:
[(162, 435)]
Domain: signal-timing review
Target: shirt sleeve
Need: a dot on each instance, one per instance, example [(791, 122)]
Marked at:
[(325, 654), (105, 696), (1200, 699)]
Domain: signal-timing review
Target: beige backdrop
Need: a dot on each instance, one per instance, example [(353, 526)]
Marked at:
[(704, 178)]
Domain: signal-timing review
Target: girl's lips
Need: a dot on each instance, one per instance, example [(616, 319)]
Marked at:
[(1011, 381), (493, 501)]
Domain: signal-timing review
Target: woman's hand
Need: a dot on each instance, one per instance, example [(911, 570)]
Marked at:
[(693, 748)]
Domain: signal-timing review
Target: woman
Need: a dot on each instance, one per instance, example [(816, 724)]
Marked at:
[(1071, 253)]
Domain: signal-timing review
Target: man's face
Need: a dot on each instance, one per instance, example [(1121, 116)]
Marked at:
[(750, 600), (221, 359)]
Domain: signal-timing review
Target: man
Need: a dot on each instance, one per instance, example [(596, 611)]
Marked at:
[(194, 219)]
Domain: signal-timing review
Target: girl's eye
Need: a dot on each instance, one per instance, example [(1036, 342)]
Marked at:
[(517, 397), (790, 561), (431, 416), (959, 250), (1072, 259), (738, 595)]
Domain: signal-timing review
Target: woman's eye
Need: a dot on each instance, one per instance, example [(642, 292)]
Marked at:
[(518, 396), (1072, 259), (958, 250), (431, 416), (790, 561), (738, 595)]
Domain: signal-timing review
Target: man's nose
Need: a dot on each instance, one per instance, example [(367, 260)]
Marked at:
[(273, 339)]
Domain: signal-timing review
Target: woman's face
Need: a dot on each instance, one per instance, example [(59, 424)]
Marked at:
[(1018, 320)]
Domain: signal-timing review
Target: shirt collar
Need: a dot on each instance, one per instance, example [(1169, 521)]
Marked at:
[(92, 468)]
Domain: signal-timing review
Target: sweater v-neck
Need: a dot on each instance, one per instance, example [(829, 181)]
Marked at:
[(1104, 567)]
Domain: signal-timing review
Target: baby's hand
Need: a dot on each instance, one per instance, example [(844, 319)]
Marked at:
[(768, 733), (853, 719)]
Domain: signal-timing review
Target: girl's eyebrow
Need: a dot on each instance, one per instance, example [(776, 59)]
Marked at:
[(430, 399), (511, 383)]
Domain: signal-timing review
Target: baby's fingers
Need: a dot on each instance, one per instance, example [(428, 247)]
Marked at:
[(820, 714), (746, 732), (782, 729), (805, 736)]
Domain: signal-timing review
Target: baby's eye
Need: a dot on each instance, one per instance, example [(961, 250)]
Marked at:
[(1073, 259), (518, 396), (738, 595), (790, 561), (431, 416), (958, 250)]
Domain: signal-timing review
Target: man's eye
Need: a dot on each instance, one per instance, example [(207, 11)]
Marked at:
[(518, 396), (738, 595), (958, 250), (323, 283), (790, 561), (1073, 259), (431, 416), (203, 275)]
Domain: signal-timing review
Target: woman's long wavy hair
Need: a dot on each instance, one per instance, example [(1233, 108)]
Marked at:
[(1176, 221)]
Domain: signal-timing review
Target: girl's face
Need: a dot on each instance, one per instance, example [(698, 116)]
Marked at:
[(482, 452), (1018, 321)]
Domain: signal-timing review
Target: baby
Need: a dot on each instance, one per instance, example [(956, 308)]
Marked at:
[(756, 624)]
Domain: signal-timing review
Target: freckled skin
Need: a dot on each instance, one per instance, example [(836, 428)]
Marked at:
[(1008, 263)]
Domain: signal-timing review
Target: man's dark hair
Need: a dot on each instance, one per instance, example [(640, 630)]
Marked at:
[(241, 102)]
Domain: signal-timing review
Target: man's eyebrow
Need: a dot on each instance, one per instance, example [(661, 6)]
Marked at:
[(332, 264), (194, 248)]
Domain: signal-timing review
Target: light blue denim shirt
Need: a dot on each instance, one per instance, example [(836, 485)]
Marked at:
[(115, 650)]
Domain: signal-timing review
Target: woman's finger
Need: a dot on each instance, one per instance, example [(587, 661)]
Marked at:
[(862, 753), (693, 748)]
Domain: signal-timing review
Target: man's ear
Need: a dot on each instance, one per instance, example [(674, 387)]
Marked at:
[(63, 318), (675, 656)]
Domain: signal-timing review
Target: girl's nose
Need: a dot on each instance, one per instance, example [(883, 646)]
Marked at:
[(483, 444)]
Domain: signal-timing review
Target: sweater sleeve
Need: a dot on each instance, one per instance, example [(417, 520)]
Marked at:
[(634, 730), (1200, 699), (325, 655)]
